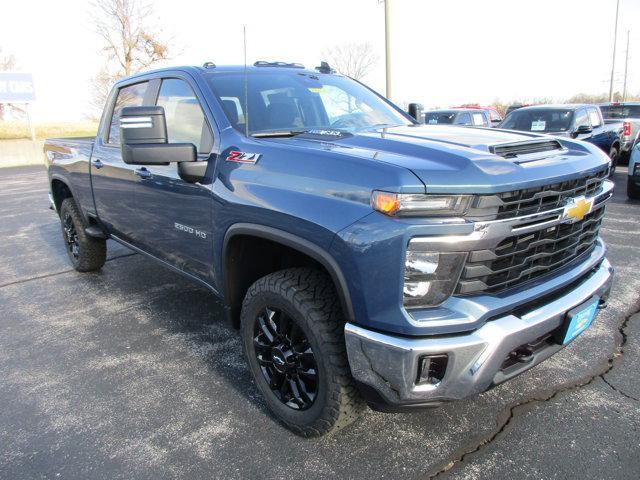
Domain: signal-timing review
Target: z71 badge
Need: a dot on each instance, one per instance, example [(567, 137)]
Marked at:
[(243, 157)]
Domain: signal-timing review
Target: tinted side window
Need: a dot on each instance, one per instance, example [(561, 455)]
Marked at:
[(130, 96), (185, 119), (594, 117), (581, 118)]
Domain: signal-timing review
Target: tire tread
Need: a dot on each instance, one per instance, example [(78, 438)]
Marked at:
[(312, 292)]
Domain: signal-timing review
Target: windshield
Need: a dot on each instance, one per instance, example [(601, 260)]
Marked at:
[(620, 111), (543, 120), (439, 117), (301, 101)]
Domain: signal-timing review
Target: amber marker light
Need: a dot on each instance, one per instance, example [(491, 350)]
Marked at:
[(385, 202)]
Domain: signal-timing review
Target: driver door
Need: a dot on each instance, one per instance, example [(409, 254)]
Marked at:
[(175, 217)]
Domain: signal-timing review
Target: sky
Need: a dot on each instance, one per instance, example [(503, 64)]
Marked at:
[(443, 53)]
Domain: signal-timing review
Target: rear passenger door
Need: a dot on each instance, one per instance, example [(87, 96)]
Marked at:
[(174, 217), (113, 180)]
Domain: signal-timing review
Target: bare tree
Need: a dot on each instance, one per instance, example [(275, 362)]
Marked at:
[(355, 60), (8, 62), (131, 43)]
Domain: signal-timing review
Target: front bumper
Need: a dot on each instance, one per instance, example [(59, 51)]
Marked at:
[(386, 366)]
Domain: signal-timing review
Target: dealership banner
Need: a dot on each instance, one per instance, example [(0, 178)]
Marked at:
[(16, 88)]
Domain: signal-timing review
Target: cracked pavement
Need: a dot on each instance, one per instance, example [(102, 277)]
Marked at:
[(133, 373)]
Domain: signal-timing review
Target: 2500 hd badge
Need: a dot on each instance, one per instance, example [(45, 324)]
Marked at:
[(190, 230)]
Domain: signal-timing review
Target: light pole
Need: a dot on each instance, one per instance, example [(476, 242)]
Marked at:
[(387, 50), (613, 61), (626, 65)]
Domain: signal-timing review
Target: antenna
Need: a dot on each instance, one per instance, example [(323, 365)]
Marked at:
[(246, 89)]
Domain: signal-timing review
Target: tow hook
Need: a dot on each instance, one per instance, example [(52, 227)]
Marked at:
[(522, 354)]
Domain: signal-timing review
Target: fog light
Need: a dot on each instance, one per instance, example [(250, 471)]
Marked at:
[(431, 369), (430, 277)]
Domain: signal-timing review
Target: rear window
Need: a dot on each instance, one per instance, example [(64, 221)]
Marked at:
[(620, 111)]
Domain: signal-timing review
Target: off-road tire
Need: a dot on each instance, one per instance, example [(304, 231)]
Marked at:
[(88, 254), (633, 191), (308, 298)]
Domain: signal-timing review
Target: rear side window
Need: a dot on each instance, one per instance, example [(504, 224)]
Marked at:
[(185, 119), (130, 96)]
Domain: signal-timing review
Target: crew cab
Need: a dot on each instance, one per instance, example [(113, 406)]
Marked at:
[(365, 258), (579, 121)]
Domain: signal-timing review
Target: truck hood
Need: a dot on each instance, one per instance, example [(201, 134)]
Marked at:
[(449, 159)]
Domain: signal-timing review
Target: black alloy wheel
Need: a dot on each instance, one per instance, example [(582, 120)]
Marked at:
[(71, 236), (286, 358)]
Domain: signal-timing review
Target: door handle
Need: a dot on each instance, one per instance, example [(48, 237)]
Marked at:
[(97, 163), (142, 172)]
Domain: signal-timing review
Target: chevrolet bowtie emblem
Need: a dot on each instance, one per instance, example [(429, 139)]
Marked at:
[(576, 209)]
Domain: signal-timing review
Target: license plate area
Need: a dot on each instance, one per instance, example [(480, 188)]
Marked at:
[(577, 320)]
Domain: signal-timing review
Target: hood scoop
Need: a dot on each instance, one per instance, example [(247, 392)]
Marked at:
[(528, 150)]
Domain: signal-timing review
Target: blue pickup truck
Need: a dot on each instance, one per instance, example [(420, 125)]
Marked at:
[(365, 258), (579, 121), (633, 179)]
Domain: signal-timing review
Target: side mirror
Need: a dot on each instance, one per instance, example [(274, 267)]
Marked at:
[(415, 110), (582, 129), (495, 122), (143, 137)]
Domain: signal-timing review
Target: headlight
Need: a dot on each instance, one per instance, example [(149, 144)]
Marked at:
[(430, 277), (410, 204)]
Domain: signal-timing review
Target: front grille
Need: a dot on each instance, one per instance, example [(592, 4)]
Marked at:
[(521, 258), (512, 150), (541, 199)]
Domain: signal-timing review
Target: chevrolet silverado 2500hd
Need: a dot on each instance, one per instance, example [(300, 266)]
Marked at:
[(365, 258)]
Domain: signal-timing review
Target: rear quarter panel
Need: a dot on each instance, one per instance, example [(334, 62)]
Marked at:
[(68, 161)]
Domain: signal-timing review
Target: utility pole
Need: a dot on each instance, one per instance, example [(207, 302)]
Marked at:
[(387, 49), (626, 65), (613, 61)]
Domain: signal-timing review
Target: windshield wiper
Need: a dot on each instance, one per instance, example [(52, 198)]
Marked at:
[(278, 133), (380, 125)]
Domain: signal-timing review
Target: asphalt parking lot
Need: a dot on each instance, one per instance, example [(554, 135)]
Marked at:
[(133, 373)]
